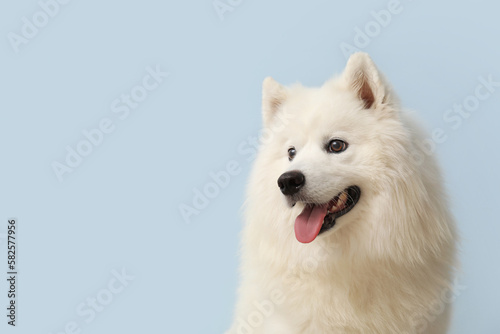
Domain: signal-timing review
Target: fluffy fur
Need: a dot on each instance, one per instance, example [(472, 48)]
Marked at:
[(387, 263)]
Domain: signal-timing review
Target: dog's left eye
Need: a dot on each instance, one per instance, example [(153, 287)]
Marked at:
[(336, 146)]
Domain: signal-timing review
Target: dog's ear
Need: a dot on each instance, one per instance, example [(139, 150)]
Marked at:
[(364, 78), (273, 96)]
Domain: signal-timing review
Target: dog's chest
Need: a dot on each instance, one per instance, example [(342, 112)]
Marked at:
[(314, 303)]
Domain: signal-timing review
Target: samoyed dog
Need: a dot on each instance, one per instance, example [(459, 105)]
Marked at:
[(347, 225)]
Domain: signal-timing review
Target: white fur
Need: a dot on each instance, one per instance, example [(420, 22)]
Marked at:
[(387, 263)]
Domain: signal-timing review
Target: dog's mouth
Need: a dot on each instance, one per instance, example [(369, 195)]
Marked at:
[(318, 218)]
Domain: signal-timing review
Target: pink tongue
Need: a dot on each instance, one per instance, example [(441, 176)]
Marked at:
[(309, 222)]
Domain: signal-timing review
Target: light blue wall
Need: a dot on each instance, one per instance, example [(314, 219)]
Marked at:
[(119, 208)]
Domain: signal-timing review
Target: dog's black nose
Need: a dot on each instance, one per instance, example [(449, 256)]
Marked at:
[(291, 182)]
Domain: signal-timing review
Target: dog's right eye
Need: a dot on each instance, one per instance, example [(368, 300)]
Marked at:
[(291, 153)]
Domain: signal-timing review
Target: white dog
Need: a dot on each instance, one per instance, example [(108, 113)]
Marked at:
[(347, 226)]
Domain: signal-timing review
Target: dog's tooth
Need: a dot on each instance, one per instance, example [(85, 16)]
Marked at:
[(343, 197)]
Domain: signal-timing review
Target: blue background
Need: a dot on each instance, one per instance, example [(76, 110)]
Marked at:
[(120, 207)]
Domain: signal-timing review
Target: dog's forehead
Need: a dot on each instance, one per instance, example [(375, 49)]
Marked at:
[(322, 110)]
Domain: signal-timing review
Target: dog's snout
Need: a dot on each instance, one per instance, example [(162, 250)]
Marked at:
[(291, 182)]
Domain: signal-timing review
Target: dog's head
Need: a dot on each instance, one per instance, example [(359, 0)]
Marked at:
[(331, 145), (342, 165)]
